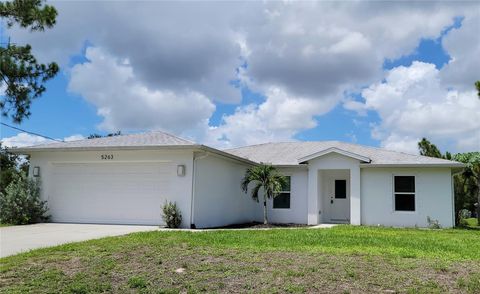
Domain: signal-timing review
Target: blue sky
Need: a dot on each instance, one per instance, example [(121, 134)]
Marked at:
[(61, 112)]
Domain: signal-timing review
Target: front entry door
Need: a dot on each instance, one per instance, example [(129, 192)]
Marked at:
[(340, 201)]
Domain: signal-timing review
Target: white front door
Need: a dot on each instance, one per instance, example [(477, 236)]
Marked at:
[(339, 200)]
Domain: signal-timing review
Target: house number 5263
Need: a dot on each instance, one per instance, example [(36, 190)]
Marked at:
[(106, 156)]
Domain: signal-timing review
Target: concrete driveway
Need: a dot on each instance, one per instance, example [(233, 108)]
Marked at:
[(16, 239)]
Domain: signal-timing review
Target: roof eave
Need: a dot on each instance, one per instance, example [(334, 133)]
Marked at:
[(226, 154), (379, 165), (334, 150), (29, 150)]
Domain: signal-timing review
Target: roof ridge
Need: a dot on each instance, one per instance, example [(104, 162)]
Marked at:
[(395, 151), (175, 136), (249, 146)]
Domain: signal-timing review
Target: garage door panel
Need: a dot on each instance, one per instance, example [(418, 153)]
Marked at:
[(110, 192)]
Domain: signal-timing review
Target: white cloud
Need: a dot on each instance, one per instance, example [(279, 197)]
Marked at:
[(168, 70), (279, 118), (412, 103), (73, 138), (125, 103), (25, 139), (463, 46)]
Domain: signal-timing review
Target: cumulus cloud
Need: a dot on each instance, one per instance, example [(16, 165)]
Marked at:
[(278, 118), (168, 67), (126, 103), (413, 103), (463, 45), (25, 139)]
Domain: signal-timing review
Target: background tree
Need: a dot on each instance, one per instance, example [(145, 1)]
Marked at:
[(10, 165), (95, 135), (472, 171), (266, 178), (477, 86), (428, 149), (20, 73)]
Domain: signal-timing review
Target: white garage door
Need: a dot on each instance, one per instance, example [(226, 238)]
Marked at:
[(113, 193)]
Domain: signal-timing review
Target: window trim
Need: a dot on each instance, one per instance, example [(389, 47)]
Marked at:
[(394, 210), (284, 192)]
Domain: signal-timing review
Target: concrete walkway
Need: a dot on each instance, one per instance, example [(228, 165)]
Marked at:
[(16, 239)]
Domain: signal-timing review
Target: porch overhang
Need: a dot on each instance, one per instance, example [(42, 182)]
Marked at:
[(359, 157)]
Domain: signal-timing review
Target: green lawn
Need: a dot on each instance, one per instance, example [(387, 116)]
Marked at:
[(339, 260), (4, 225)]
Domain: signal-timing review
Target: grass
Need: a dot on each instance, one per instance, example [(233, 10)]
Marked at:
[(343, 259), (5, 225)]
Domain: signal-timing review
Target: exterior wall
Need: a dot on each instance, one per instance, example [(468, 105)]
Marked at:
[(181, 187), (218, 197), (433, 197), (332, 161), (298, 199)]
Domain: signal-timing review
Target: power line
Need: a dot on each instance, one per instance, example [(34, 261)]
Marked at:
[(32, 133)]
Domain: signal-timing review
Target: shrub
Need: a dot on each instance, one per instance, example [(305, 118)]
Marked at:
[(433, 223), (171, 214), (463, 215), (21, 203)]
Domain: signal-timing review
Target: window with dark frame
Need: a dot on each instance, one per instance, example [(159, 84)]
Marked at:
[(404, 193), (282, 200)]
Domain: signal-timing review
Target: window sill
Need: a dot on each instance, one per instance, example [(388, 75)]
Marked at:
[(404, 212)]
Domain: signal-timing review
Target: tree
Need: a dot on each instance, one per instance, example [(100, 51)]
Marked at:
[(21, 203), (10, 165), (428, 149), (477, 86), (20, 73), (266, 178), (95, 135), (472, 170)]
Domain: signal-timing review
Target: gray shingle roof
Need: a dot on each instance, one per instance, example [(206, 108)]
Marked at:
[(290, 153), (286, 153), (150, 139)]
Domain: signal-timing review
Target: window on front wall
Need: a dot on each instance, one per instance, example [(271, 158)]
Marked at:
[(282, 200), (404, 193)]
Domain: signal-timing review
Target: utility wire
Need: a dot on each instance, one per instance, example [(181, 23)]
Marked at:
[(32, 133)]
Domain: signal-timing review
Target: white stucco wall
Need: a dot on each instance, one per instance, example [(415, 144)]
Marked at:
[(297, 213), (433, 197), (179, 190), (218, 197)]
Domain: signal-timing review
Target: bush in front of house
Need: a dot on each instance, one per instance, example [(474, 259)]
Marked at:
[(433, 223), (463, 215), (171, 214), (20, 204)]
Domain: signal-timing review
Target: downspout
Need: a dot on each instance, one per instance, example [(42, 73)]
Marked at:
[(194, 172)]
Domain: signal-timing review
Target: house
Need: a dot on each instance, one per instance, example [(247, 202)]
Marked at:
[(125, 180)]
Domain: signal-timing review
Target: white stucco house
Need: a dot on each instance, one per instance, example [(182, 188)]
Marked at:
[(125, 180)]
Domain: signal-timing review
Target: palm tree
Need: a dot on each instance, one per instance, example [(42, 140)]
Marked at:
[(264, 177)]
